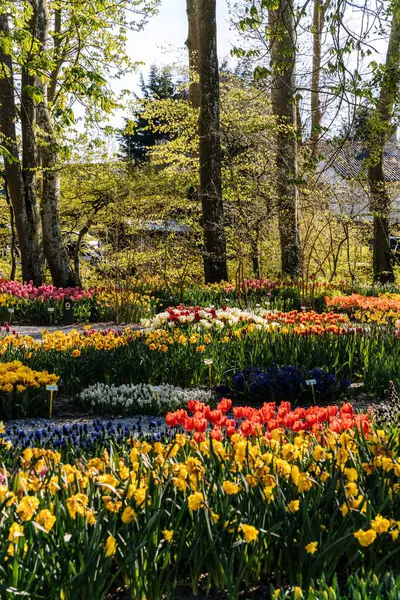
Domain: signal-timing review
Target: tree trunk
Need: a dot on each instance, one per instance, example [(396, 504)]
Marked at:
[(21, 182), (53, 246), (381, 130), (255, 258), (77, 251), (299, 126), (215, 267), (380, 207), (192, 45), (13, 236), (51, 91), (317, 27), (283, 57)]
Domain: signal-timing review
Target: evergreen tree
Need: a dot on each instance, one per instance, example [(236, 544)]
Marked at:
[(138, 138), (357, 129)]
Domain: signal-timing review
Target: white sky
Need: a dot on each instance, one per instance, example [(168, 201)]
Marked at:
[(162, 42), (163, 38)]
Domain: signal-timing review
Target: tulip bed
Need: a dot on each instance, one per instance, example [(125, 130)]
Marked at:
[(136, 298), (206, 347), (382, 309), (274, 499), (44, 305)]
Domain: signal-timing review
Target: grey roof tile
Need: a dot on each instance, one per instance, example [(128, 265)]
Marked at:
[(349, 159)]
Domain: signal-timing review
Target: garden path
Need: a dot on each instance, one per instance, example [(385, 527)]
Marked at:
[(35, 331)]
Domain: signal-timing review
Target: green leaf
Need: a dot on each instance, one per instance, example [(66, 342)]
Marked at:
[(261, 73)]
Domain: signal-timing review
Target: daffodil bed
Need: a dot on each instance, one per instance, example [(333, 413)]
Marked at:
[(275, 504), (23, 390)]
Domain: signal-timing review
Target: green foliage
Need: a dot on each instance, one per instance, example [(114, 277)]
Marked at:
[(356, 587), (87, 48), (138, 137)]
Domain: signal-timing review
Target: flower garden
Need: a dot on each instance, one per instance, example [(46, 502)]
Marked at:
[(240, 444)]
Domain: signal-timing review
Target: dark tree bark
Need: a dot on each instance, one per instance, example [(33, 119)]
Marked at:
[(283, 58), (21, 181), (192, 45), (255, 258), (13, 236), (215, 267), (380, 131), (53, 245), (318, 25)]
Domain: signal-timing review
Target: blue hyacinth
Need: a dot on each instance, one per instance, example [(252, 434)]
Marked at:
[(287, 383)]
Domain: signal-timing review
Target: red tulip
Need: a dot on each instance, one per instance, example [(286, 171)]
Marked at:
[(216, 433), (170, 419), (200, 425), (247, 428), (224, 405), (188, 424), (215, 417), (238, 412)]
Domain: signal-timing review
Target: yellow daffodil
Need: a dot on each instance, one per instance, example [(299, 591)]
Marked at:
[(196, 501), (311, 548), (365, 538), (110, 546)]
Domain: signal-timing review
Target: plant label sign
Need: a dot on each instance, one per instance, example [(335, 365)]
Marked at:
[(51, 389), (50, 309), (68, 312), (311, 382), (156, 390)]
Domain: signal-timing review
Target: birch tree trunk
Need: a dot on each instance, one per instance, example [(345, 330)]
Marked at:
[(21, 181), (53, 246), (215, 267), (192, 44), (282, 36), (381, 129)]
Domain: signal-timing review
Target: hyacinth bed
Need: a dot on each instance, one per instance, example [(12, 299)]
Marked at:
[(102, 399)]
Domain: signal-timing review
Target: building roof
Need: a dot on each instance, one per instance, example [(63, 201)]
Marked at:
[(166, 226), (348, 159)]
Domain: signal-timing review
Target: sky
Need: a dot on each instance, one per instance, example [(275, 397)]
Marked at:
[(162, 41), (164, 36)]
